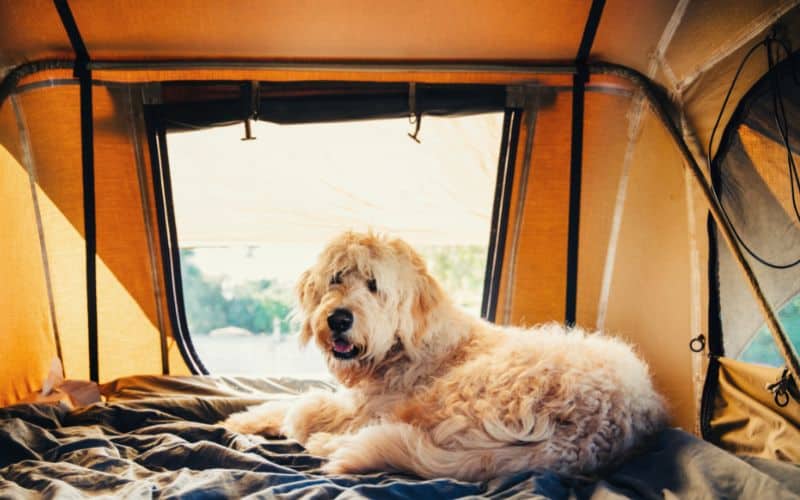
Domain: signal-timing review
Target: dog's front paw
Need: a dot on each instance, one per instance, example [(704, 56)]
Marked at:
[(321, 444), (346, 457), (266, 419)]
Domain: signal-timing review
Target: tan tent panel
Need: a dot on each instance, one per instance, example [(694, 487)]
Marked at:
[(27, 358), (746, 419)]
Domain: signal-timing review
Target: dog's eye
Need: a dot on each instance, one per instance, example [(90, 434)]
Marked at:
[(372, 285), (336, 279)]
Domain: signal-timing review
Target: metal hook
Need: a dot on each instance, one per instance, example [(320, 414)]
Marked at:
[(253, 95), (698, 343), (415, 120), (248, 132), (781, 389), (414, 116)]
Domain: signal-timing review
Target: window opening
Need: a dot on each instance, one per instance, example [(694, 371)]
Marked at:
[(252, 215)]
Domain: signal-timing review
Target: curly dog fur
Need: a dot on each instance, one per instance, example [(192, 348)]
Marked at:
[(432, 390)]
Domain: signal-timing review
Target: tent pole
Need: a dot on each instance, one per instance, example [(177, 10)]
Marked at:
[(660, 105)]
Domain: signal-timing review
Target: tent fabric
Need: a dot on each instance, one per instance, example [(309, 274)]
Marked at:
[(27, 358), (156, 436), (643, 243), (745, 419)]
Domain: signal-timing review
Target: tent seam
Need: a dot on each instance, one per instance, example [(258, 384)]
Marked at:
[(634, 129), (751, 31), (531, 111), (148, 227), (30, 167)]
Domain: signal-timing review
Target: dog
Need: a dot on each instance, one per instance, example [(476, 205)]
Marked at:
[(431, 390)]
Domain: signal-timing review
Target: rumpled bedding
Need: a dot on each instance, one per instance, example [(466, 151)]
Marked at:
[(157, 437)]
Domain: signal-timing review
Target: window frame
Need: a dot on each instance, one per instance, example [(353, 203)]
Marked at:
[(176, 109)]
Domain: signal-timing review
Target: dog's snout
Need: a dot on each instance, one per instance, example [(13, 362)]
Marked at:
[(340, 320)]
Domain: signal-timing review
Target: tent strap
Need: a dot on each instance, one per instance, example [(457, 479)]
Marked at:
[(579, 80), (84, 74)]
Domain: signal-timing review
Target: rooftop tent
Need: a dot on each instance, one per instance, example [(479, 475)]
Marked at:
[(597, 219)]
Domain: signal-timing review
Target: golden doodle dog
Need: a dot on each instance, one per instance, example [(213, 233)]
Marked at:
[(432, 390)]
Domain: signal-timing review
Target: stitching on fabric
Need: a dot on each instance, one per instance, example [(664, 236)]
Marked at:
[(133, 119), (635, 118), (30, 167), (751, 31), (532, 112)]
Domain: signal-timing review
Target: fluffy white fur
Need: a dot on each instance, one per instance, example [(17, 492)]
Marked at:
[(437, 392)]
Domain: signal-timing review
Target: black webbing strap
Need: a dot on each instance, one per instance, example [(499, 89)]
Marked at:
[(84, 74), (576, 157)]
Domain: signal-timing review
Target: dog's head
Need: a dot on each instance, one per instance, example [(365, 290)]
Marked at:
[(366, 302)]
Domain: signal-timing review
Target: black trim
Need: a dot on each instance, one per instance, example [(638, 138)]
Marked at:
[(575, 179), (163, 199), (89, 222), (68, 20), (84, 74), (589, 32), (500, 212), (498, 196), (579, 81), (710, 390), (715, 346), (230, 102), (177, 278)]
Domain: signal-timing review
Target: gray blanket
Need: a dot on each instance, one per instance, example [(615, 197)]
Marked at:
[(156, 437)]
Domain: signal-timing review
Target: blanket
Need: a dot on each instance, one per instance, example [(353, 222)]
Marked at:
[(157, 437)]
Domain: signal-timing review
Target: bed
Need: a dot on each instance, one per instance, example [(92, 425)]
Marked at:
[(157, 437)]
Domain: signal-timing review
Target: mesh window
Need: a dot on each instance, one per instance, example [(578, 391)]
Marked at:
[(755, 175)]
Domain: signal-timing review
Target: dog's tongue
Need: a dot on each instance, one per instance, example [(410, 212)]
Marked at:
[(342, 346)]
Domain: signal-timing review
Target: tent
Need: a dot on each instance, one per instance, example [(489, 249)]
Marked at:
[(614, 208)]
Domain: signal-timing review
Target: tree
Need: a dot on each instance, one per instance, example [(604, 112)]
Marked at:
[(253, 305)]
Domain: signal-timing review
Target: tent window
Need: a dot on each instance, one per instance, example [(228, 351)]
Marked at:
[(252, 215), (762, 348), (755, 175)]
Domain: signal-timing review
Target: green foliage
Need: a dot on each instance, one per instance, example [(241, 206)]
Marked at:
[(258, 304), (763, 349), (460, 270), (254, 305)]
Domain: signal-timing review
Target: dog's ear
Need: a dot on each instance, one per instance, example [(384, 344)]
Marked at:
[(305, 332), (428, 295), (305, 292), (304, 287)]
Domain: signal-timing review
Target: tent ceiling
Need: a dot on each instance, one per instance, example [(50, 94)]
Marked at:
[(630, 32), (285, 29)]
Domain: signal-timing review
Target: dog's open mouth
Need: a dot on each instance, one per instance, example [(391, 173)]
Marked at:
[(343, 349)]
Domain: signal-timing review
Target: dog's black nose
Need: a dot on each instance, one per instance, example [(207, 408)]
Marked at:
[(340, 320)]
